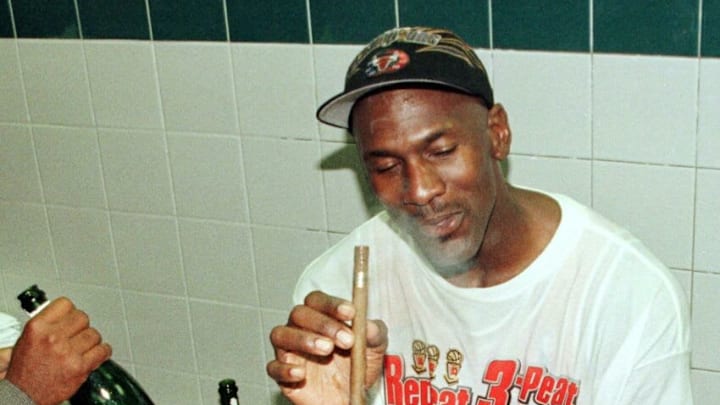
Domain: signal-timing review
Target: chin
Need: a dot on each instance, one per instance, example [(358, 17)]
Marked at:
[(449, 257)]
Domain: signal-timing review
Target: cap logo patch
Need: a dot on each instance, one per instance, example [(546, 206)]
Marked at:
[(387, 61)]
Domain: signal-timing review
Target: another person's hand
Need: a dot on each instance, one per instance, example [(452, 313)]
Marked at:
[(312, 352), (4, 360), (55, 353)]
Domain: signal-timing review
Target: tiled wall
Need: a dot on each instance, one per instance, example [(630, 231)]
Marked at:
[(174, 182)]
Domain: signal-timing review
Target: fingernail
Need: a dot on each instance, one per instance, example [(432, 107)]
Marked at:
[(324, 345), (345, 338), (346, 310), (296, 372)]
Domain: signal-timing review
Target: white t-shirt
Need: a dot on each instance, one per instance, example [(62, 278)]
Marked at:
[(9, 330), (595, 320)]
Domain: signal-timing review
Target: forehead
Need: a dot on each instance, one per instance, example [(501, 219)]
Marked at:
[(413, 109)]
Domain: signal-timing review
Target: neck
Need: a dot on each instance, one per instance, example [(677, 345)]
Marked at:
[(521, 225)]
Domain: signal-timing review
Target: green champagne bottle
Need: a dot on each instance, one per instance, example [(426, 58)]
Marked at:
[(228, 391), (109, 384)]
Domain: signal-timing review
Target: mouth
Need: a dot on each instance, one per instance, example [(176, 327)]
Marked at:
[(441, 226)]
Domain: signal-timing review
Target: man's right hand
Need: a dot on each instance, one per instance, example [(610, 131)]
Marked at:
[(55, 353), (312, 351)]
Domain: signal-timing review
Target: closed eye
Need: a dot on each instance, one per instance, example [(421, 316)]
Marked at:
[(444, 151)]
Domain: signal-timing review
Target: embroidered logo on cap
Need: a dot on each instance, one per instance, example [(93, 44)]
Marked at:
[(387, 61)]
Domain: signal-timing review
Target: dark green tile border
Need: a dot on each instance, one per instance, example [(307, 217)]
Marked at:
[(667, 27), (6, 30), (268, 21), (552, 25), (188, 20), (45, 18), (114, 19), (711, 28), (350, 22), (467, 19)]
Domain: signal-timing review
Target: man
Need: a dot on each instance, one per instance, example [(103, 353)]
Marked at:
[(53, 356), (483, 293)]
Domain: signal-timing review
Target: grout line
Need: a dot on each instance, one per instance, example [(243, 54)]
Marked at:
[(397, 13), (12, 19), (77, 19), (491, 37), (308, 15), (227, 20), (149, 20), (697, 149)]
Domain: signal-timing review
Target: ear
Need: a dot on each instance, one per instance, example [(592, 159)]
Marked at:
[(499, 131)]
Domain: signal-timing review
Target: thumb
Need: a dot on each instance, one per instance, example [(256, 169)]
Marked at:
[(377, 343)]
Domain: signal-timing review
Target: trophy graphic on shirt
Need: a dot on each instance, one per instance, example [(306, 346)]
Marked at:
[(419, 356), (433, 354), (454, 363)]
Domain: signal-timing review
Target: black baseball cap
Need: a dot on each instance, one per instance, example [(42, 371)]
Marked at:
[(409, 55)]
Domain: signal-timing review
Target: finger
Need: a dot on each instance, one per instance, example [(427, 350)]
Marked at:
[(56, 310), (289, 338), (85, 340), (288, 370), (335, 307), (377, 334), (319, 323), (96, 355)]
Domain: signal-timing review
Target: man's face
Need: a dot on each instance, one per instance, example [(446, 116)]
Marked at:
[(429, 159)]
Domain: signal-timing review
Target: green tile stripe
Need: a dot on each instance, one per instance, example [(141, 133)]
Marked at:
[(711, 28), (670, 27), (6, 30)]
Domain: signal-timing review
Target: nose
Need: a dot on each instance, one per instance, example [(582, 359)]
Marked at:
[(422, 184)]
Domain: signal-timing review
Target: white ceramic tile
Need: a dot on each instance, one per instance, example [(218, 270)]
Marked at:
[(123, 84), (83, 247), (708, 153), (25, 241), (167, 386), (565, 176), (159, 329), (705, 386), (148, 253), (284, 182), (12, 96), (349, 199), (644, 108), (248, 393), (208, 177), (331, 64), (218, 261), (654, 202), (228, 341), (705, 321), (195, 85), (274, 88), (547, 97), (137, 175), (104, 306), (56, 82), (19, 180), (69, 161), (707, 221), (280, 256)]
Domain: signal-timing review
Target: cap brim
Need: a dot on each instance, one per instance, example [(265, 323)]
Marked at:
[(336, 111)]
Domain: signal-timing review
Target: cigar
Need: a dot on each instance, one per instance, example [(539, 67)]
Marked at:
[(358, 360)]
